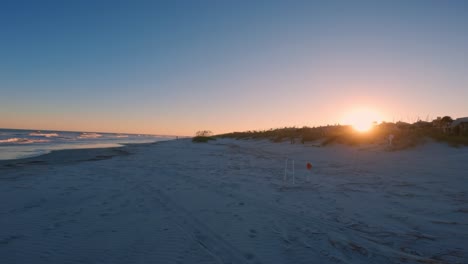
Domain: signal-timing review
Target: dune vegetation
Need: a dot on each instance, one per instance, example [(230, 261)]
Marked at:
[(404, 135), (203, 136)]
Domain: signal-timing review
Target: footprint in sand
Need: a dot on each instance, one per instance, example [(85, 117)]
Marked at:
[(252, 233), (249, 255), (238, 217), (9, 239)]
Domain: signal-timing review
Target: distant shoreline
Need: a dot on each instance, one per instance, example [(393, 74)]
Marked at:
[(76, 131), (19, 144), (73, 155)]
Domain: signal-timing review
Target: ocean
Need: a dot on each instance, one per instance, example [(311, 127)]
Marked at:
[(17, 144)]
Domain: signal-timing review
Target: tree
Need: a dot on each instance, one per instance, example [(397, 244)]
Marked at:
[(446, 120)]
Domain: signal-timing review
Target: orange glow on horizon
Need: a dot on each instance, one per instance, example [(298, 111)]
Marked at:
[(362, 120)]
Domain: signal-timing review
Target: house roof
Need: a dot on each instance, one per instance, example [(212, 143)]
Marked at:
[(458, 121)]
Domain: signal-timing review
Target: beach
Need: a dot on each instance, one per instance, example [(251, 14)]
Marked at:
[(227, 201)]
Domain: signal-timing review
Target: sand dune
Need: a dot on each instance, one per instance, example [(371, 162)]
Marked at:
[(226, 202)]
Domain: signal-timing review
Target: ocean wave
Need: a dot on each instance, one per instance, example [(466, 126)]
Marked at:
[(22, 140), (39, 134), (90, 135), (121, 136)]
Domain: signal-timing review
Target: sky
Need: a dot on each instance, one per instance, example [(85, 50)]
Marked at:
[(176, 67)]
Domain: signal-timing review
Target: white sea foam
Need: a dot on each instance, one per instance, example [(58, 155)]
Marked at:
[(90, 135), (39, 134), (22, 140)]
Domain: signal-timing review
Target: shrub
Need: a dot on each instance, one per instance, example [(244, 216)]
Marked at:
[(203, 136), (405, 135), (453, 140), (204, 133), (200, 139)]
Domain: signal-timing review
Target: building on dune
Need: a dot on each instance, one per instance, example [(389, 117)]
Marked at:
[(459, 126), (443, 123), (422, 124)]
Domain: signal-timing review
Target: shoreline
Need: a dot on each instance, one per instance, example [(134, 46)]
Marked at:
[(22, 144), (62, 156), (71, 155)]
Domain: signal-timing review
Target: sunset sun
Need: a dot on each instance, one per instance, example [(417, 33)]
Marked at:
[(361, 120)]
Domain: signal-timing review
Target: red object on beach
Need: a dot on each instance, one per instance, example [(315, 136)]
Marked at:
[(309, 166)]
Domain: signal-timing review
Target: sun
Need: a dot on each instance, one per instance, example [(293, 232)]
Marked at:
[(362, 126), (361, 120)]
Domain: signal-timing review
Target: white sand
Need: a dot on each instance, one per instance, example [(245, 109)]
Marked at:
[(224, 202)]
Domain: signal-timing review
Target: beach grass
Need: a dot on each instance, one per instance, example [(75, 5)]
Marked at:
[(404, 135)]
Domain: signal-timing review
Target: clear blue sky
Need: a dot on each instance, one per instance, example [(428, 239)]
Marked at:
[(175, 67)]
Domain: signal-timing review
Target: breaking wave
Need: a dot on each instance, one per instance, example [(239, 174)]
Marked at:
[(22, 140), (90, 135), (39, 134)]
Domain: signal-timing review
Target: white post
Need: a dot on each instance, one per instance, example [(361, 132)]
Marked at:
[(285, 171), (294, 178)]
